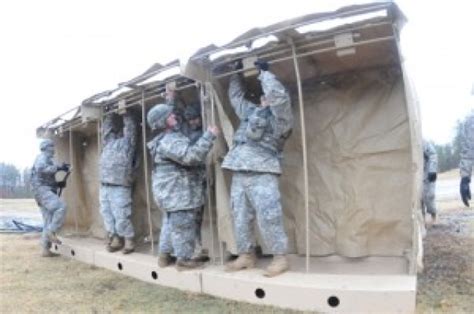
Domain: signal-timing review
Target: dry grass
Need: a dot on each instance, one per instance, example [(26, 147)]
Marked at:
[(32, 284), (29, 283), (18, 206), (451, 174)]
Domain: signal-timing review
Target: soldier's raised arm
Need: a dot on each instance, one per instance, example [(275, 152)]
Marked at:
[(237, 94), (277, 98), (130, 129), (179, 149), (107, 129)]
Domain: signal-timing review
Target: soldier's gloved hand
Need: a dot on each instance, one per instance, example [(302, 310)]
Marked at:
[(61, 184), (238, 65), (465, 190), (432, 176), (261, 65)]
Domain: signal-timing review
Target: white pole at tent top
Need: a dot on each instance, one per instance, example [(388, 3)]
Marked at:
[(305, 154)]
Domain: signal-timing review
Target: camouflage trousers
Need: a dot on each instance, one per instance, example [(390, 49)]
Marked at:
[(116, 209), (257, 195), (178, 233), (428, 198), (53, 211), (198, 220)]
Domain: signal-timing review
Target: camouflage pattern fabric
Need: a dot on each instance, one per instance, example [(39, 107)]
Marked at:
[(116, 209), (165, 245), (43, 171), (467, 147), (198, 175), (52, 207), (177, 233), (118, 151), (116, 174), (173, 183), (430, 165), (258, 142), (257, 195)]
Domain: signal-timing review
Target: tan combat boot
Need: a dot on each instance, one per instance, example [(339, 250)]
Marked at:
[(115, 244), (129, 246), (187, 264), (165, 259), (279, 265), (53, 238), (47, 253), (245, 260), (201, 255)]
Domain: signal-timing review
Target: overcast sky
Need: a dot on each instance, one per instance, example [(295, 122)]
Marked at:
[(56, 53)]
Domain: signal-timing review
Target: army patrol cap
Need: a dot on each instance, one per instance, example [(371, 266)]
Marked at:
[(157, 116), (46, 143)]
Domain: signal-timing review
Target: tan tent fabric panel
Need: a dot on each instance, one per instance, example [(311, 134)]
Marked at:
[(363, 143), (359, 153)]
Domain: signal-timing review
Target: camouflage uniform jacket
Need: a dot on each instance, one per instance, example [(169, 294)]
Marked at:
[(174, 158), (118, 152), (43, 172), (430, 160), (258, 142), (467, 147), (199, 172)]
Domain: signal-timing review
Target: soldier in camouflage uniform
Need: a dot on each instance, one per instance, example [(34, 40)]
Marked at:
[(430, 168), (44, 186), (193, 130), (254, 160), (467, 158), (175, 192), (117, 163)]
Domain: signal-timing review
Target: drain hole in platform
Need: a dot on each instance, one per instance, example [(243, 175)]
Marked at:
[(56, 247), (260, 293), (154, 275), (73, 253), (333, 301), (119, 266)]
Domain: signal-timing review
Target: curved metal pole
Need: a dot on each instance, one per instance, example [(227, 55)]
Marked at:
[(71, 162), (208, 172), (145, 172), (305, 153)]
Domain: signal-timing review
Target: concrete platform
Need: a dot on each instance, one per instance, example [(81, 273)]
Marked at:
[(334, 284)]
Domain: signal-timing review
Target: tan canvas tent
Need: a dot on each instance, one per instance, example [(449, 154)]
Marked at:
[(352, 166)]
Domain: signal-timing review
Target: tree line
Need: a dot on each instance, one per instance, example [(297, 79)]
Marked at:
[(14, 183), (449, 154)]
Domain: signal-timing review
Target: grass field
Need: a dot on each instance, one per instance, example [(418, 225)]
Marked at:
[(29, 283)]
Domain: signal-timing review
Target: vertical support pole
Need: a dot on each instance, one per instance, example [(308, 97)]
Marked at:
[(145, 173), (71, 162), (203, 90), (305, 153)]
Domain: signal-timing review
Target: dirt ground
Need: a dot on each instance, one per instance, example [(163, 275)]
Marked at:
[(29, 283)]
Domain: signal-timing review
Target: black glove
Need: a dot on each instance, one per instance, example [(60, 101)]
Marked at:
[(261, 65), (465, 190), (61, 184), (432, 176), (238, 65)]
